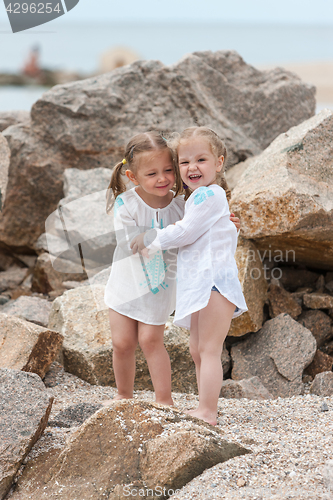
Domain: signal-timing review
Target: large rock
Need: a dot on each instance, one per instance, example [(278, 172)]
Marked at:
[(26, 346), (86, 124), (252, 278), (319, 324), (80, 316), (4, 165), (71, 236), (24, 408), (285, 195), (32, 309), (128, 447), (277, 354)]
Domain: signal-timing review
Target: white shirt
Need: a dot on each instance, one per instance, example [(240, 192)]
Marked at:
[(142, 289), (207, 242)]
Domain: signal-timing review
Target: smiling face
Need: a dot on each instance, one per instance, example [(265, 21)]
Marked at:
[(197, 163), (154, 175)]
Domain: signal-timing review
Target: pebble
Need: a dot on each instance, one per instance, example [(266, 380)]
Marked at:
[(324, 407)]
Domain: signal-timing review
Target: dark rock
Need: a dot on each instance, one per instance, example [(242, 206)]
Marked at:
[(24, 408), (281, 301), (321, 363), (319, 324), (277, 354)]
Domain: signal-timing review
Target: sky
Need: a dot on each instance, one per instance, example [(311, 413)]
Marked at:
[(232, 11)]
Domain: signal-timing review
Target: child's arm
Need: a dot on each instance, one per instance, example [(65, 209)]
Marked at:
[(205, 209)]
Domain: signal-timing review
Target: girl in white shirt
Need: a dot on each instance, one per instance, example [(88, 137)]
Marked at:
[(141, 291), (209, 293)]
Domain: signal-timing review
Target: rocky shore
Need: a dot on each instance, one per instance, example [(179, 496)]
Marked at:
[(274, 432)]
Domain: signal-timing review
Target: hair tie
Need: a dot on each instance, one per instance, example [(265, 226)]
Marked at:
[(185, 186), (124, 161)]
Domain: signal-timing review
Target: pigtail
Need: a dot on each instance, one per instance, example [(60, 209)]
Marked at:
[(116, 186), (222, 181)]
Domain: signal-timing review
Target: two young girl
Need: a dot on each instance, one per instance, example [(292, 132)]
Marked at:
[(141, 289)]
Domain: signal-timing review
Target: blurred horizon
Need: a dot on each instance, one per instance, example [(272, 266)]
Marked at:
[(292, 32)]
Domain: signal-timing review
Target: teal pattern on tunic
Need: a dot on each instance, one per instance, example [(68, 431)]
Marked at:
[(117, 204), (155, 269), (202, 194)]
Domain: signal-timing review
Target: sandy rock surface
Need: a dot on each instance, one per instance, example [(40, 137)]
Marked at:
[(130, 444), (285, 196)]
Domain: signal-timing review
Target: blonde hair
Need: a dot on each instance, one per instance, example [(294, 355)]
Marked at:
[(140, 143), (217, 146)]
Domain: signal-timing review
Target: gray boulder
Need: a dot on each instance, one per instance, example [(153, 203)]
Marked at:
[(24, 408), (86, 124), (277, 354), (32, 309)]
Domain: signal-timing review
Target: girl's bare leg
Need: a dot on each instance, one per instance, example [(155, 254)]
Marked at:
[(124, 332), (151, 339), (194, 345), (213, 325)]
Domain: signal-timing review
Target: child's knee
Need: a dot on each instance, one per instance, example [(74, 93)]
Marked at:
[(122, 347)]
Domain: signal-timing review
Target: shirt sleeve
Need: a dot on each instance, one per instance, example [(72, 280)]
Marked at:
[(205, 207)]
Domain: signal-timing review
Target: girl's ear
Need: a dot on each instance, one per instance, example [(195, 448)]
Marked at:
[(220, 162), (129, 174)]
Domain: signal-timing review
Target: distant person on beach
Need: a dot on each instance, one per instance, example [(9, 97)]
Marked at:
[(209, 293), (140, 292), (31, 67)]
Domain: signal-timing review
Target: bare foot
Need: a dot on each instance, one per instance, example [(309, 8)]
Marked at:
[(208, 417), (108, 402)]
